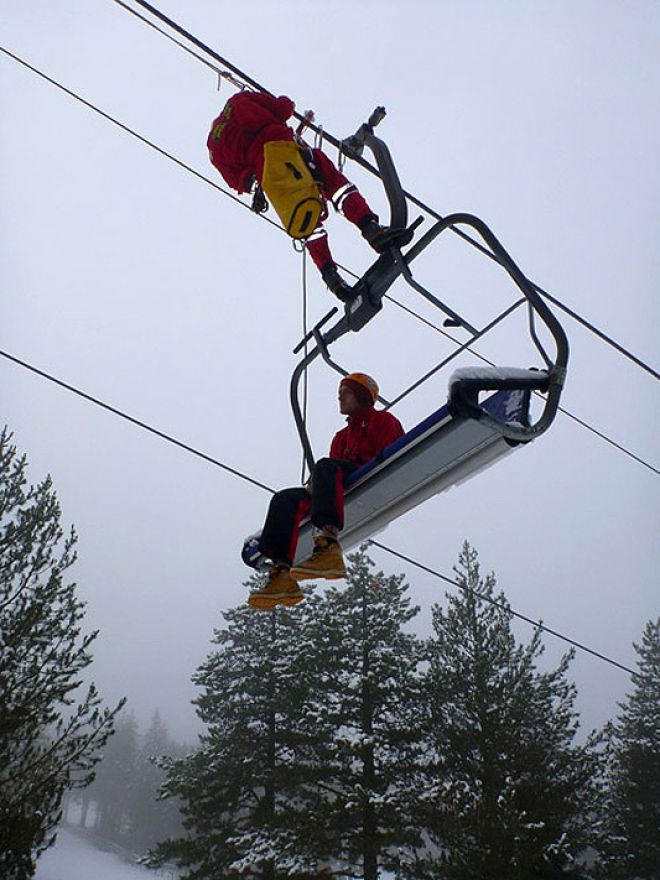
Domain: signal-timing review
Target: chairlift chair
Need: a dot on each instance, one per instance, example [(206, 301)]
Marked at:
[(466, 434)]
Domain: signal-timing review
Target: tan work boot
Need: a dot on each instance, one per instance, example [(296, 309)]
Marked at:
[(326, 561), (280, 589)]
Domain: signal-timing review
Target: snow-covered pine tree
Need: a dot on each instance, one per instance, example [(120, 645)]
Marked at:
[(512, 794), (235, 788), (630, 842), (50, 734), (360, 735)]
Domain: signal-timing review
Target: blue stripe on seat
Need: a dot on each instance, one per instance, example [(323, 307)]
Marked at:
[(502, 406)]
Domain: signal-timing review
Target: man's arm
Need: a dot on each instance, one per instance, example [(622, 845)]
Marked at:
[(337, 446), (390, 429)]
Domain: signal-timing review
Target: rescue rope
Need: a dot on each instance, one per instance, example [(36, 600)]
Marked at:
[(303, 469)]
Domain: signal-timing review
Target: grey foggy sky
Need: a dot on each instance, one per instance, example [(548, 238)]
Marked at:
[(131, 279)]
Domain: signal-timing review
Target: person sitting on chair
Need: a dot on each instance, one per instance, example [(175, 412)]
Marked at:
[(238, 139), (367, 433)]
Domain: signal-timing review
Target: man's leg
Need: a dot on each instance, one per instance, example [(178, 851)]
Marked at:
[(278, 542), (343, 194), (327, 514), (279, 537), (348, 200), (319, 250)]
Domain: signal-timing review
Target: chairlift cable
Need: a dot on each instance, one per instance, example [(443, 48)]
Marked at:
[(135, 134), (243, 204), (115, 411), (243, 476), (200, 58), (502, 606), (481, 357), (413, 199)]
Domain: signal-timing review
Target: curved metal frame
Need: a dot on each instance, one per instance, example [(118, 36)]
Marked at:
[(371, 288)]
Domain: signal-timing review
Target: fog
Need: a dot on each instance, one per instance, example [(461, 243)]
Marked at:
[(140, 284)]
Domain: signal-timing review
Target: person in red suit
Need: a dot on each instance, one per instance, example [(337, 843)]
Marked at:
[(248, 121), (367, 433)]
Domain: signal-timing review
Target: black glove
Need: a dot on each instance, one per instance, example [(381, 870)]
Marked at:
[(259, 202)]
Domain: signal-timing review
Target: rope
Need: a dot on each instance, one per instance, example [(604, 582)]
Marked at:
[(303, 469), (135, 134), (222, 74)]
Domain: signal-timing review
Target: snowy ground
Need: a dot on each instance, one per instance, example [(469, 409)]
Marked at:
[(73, 858)]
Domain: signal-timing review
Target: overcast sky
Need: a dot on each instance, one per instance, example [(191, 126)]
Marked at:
[(139, 283)]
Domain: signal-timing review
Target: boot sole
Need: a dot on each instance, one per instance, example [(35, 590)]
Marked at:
[(331, 574), (267, 603), (292, 600)]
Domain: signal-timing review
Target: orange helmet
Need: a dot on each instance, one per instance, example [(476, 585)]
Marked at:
[(363, 382)]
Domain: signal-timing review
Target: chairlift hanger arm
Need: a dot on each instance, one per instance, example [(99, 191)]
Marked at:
[(354, 146), (556, 372), (393, 263)]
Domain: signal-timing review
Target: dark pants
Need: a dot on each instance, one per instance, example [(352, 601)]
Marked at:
[(288, 507)]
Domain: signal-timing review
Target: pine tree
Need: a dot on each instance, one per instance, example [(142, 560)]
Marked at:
[(511, 794), (153, 818), (233, 787), (360, 734), (50, 735), (112, 789), (309, 765), (630, 840)]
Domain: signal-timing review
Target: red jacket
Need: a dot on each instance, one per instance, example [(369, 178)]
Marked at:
[(368, 431), (237, 137)]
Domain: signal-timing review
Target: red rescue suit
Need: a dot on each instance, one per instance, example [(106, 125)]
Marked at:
[(237, 137), (236, 141), (368, 432)]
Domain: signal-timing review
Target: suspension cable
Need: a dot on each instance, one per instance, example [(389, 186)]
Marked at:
[(243, 476), (134, 421), (503, 606)]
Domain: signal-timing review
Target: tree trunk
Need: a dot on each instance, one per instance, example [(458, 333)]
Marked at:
[(84, 809), (369, 844), (269, 794)]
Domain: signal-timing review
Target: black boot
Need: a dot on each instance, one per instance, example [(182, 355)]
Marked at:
[(381, 237), (336, 283)]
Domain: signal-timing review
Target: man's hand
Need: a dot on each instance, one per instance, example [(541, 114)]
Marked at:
[(259, 201)]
